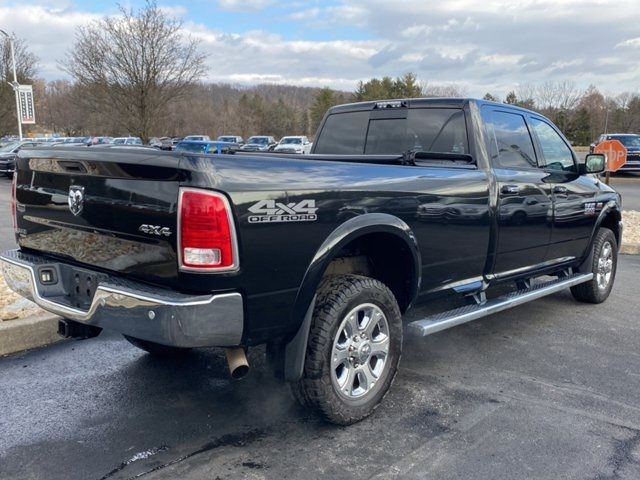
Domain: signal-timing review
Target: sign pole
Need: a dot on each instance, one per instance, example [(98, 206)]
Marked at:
[(15, 88), (15, 83)]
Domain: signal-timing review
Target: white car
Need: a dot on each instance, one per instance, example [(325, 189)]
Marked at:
[(127, 141), (294, 144), (196, 138)]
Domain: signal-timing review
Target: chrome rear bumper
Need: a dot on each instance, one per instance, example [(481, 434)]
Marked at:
[(131, 308)]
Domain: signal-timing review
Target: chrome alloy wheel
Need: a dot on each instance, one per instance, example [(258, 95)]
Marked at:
[(605, 266), (360, 351)]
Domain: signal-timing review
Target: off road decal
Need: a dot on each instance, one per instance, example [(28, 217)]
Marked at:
[(270, 211)]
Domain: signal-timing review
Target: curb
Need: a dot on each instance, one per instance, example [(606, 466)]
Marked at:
[(27, 333), (630, 249)]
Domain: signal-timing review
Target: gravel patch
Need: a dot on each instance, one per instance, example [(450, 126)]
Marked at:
[(631, 220), (13, 306)]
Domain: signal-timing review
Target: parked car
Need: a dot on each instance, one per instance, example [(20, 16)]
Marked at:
[(206, 147), (162, 143), (235, 252), (259, 143), (197, 138), (632, 144), (231, 139), (8, 152), (293, 144), (127, 141), (100, 140)]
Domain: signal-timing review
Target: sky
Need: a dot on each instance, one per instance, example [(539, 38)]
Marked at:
[(481, 45)]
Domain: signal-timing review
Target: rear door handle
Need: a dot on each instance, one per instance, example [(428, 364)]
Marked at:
[(510, 189), (562, 190)]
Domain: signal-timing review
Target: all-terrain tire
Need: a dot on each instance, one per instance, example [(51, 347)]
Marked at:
[(338, 297), (156, 349), (604, 262)]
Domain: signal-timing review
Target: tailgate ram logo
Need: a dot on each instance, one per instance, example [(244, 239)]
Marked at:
[(270, 211), (76, 199)]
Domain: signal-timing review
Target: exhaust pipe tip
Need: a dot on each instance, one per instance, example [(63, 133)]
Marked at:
[(238, 363)]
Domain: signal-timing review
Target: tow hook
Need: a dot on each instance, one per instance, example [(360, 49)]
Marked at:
[(71, 329)]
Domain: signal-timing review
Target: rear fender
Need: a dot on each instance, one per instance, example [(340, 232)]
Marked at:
[(346, 233)]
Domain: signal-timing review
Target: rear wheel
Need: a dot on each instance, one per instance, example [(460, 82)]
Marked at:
[(353, 350), (156, 349), (603, 266)]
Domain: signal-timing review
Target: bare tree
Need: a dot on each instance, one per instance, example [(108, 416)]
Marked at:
[(451, 90), (131, 67), (561, 95)]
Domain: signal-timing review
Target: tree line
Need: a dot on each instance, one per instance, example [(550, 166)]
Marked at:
[(138, 74)]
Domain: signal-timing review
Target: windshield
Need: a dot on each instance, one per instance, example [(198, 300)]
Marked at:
[(227, 139), (259, 140), (192, 147), (119, 141), (9, 147), (291, 141), (628, 140)]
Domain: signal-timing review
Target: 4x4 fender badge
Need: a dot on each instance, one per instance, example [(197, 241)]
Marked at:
[(270, 211)]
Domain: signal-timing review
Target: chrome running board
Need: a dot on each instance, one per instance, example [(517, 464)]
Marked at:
[(458, 316)]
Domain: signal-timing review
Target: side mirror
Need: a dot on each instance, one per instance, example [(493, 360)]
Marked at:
[(595, 163)]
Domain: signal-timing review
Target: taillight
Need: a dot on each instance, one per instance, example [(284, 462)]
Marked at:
[(14, 213), (207, 239)]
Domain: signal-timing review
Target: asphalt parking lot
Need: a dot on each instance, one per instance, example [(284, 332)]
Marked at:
[(548, 390)]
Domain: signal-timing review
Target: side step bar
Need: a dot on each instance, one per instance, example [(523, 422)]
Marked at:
[(458, 316)]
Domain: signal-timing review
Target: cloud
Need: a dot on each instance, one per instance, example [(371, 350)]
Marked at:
[(244, 5), (49, 31), (489, 46), (631, 42)]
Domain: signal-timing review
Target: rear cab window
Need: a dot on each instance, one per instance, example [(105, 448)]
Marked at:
[(441, 130)]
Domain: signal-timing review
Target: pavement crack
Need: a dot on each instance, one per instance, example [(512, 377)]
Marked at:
[(622, 455), (135, 458), (229, 440)]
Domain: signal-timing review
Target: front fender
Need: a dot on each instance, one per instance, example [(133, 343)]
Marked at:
[(610, 208), (347, 232)]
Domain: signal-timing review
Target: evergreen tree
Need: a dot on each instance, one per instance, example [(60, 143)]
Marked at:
[(323, 101)]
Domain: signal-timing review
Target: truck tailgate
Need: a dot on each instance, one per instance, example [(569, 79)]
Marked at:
[(114, 209)]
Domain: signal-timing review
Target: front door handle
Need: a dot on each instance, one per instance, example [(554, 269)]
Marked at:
[(510, 189), (560, 189)]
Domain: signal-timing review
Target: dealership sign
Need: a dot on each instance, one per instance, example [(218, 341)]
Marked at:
[(25, 100)]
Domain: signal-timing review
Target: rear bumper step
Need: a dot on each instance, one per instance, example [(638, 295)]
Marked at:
[(129, 307), (442, 321)]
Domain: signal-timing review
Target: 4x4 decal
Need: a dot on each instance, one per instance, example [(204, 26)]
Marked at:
[(270, 211)]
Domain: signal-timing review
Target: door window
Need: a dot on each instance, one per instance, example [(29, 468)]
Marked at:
[(557, 155), (513, 147)]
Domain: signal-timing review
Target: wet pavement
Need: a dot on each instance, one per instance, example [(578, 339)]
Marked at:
[(547, 390)]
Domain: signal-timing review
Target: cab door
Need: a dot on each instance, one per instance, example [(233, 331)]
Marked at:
[(524, 210), (575, 209)]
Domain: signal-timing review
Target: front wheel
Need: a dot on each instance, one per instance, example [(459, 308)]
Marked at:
[(354, 346), (604, 263)]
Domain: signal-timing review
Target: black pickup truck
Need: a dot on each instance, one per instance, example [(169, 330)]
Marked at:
[(317, 256)]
